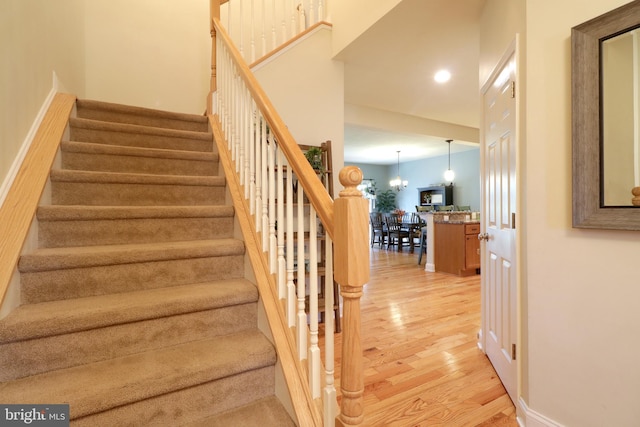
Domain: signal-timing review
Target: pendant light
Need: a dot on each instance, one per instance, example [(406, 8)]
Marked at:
[(398, 183), (449, 175)]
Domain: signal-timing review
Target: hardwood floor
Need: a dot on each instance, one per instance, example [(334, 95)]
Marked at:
[(422, 363)]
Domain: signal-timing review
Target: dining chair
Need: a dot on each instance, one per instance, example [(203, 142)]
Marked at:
[(444, 208), (415, 228), (397, 234), (378, 230), (423, 243)]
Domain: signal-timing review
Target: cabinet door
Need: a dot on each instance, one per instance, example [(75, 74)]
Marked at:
[(472, 251)]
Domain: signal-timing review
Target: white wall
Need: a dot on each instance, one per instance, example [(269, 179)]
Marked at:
[(583, 291), (37, 38), (307, 89), (351, 18), (111, 50), (149, 55)]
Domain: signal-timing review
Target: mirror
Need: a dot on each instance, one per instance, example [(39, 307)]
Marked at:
[(620, 92), (606, 120)]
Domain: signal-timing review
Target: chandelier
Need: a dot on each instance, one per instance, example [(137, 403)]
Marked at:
[(398, 183), (449, 175)]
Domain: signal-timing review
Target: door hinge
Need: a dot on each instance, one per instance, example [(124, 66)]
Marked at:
[(513, 88), (513, 352), (513, 220)]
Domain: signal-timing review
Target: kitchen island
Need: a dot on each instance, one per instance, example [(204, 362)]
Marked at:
[(452, 242)]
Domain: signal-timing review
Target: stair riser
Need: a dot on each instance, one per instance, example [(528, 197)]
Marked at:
[(25, 358), (54, 234), (87, 281), (115, 194), (136, 119), (188, 405), (131, 164), (139, 140)]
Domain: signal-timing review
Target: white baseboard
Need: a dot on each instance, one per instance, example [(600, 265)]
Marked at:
[(533, 418), (28, 140), (430, 267)]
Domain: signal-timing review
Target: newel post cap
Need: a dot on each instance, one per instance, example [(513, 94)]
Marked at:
[(351, 231)]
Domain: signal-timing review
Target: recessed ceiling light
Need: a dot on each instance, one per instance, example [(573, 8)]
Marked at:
[(442, 76)]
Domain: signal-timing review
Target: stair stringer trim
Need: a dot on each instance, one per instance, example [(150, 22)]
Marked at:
[(17, 212), (306, 411)]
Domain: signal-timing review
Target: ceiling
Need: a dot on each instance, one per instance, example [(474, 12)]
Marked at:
[(391, 67)]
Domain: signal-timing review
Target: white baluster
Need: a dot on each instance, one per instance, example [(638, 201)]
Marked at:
[(292, 14), (248, 111), (253, 30), (224, 84), (281, 226), (220, 73), (265, 188), (258, 218), (229, 10), (284, 21), (272, 204), (252, 158), (314, 350), (320, 11), (274, 42), (237, 91), (241, 44), (291, 290), (301, 18), (301, 324), (264, 28), (329, 393), (312, 13), (230, 105), (241, 129)]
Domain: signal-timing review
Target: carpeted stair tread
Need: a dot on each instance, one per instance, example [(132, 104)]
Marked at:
[(64, 175), (138, 129), (121, 150), (78, 225), (132, 378), (77, 155), (267, 412), (106, 111), (47, 259), (85, 213), (65, 316)]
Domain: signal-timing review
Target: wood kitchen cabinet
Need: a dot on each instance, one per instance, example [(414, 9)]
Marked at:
[(457, 248)]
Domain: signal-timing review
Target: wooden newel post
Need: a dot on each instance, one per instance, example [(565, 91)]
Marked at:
[(635, 201), (351, 244)]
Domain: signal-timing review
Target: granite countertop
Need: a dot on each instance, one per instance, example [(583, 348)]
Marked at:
[(456, 217), (456, 221)]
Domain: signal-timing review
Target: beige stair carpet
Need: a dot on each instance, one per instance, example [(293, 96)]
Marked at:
[(135, 309)]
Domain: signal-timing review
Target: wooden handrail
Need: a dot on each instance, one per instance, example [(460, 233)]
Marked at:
[(19, 207), (314, 189)]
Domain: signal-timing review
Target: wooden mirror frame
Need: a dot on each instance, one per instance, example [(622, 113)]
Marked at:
[(588, 209)]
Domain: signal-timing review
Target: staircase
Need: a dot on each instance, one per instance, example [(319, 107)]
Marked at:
[(135, 307)]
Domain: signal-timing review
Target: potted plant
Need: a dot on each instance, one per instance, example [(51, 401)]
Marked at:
[(385, 201), (314, 157)]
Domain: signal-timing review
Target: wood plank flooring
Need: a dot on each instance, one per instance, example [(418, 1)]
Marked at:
[(422, 363)]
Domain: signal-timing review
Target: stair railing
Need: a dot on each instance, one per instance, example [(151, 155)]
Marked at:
[(260, 26), (266, 170)]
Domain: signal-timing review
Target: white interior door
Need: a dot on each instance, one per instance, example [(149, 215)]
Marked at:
[(499, 288)]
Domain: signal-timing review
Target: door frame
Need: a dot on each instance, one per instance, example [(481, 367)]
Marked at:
[(513, 50)]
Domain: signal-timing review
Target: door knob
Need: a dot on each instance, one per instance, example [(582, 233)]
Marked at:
[(483, 236)]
